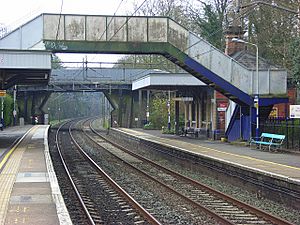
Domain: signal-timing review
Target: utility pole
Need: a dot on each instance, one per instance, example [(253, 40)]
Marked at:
[(2, 95), (169, 110), (15, 111), (2, 113)]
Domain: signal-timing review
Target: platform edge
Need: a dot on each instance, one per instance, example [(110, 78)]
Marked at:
[(62, 212)]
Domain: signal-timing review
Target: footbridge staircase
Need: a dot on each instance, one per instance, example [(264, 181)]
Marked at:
[(155, 35)]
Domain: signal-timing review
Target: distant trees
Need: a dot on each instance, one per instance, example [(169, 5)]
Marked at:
[(3, 29), (208, 18), (56, 62), (8, 109), (175, 9), (159, 110), (294, 53), (272, 24), (71, 105)]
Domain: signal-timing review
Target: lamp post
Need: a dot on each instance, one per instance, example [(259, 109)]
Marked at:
[(256, 99), (15, 111)]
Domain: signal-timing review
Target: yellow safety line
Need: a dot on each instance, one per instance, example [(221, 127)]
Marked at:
[(6, 157), (242, 156), (10, 164), (232, 154)]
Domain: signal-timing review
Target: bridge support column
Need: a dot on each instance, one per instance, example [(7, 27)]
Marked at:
[(140, 113), (200, 106), (148, 107), (33, 108), (214, 114), (122, 102), (197, 112), (120, 108), (130, 118), (186, 114), (44, 98), (177, 117), (208, 114), (190, 115), (26, 106)]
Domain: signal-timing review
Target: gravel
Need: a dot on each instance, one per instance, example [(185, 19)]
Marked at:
[(194, 171)]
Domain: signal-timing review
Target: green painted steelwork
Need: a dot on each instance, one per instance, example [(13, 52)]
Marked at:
[(162, 48), (108, 47), (150, 35)]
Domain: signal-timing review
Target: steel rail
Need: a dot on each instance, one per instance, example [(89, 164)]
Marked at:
[(221, 219), (90, 219), (242, 205), (117, 187)]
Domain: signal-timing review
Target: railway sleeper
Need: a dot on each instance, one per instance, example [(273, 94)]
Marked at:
[(229, 212), (121, 202), (113, 195), (96, 216), (247, 218), (214, 204), (249, 222), (116, 198), (139, 222), (226, 207), (254, 222), (137, 217)]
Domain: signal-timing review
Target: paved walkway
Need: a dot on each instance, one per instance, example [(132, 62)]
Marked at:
[(285, 158), (29, 191), (283, 166), (9, 135)]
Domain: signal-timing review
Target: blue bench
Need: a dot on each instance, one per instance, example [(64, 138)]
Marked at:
[(270, 141)]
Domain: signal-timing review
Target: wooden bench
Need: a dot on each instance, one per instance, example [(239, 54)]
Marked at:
[(270, 141)]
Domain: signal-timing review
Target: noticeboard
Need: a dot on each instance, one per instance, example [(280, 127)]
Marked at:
[(2, 93), (294, 111), (273, 113)]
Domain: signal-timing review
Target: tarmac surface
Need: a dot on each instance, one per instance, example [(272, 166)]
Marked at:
[(285, 158), (11, 134), (29, 191)]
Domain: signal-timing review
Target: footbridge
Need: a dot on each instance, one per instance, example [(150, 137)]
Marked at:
[(152, 35)]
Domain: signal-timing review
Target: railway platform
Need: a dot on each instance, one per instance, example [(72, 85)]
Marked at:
[(278, 164), (29, 192), (254, 169), (11, 135)]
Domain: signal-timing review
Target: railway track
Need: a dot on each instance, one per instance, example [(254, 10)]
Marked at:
[(102, 200), (222, 207), (167, 206)]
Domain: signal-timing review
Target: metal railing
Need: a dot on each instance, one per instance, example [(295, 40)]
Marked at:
[(286, 126)]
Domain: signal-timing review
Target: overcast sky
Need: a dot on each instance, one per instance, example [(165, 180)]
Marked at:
[(17, 12)]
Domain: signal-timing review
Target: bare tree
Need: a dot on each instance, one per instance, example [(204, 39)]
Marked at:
[(175, 9), (3, 30)]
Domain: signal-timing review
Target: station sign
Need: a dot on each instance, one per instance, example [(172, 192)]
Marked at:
[(294, 111), (183, 99), (222, 107), (2, 93)]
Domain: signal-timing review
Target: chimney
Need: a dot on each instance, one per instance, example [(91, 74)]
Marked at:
[(233, 47)]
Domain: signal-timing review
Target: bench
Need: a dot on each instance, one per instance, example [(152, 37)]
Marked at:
[(267, 140), (194, 132)]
